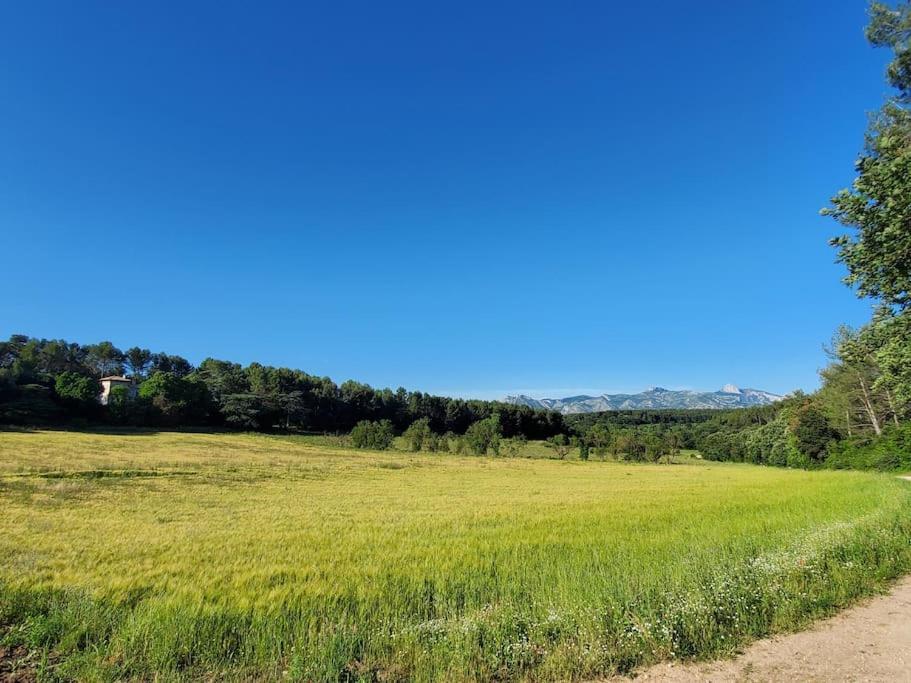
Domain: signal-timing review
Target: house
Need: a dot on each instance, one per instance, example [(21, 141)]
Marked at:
[(112, 381)]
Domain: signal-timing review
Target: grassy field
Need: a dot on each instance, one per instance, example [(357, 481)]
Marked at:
[(200, 556)]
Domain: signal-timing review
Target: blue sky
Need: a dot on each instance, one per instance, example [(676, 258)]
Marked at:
[(454, 197)]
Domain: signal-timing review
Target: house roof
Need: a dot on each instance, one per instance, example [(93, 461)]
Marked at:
[(115, 378)]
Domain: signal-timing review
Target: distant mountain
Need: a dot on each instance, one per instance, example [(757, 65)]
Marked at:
[(730, 396)]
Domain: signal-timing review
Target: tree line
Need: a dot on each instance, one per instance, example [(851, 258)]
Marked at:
[(55, 381)]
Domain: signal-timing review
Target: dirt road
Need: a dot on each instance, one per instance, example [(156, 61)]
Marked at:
[(870, 642)]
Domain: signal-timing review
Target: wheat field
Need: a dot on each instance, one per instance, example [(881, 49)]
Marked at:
[(183, 556)]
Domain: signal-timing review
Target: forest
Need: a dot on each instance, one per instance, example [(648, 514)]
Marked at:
[(47, 382)]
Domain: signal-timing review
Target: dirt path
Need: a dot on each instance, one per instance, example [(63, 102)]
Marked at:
[(870, 642)]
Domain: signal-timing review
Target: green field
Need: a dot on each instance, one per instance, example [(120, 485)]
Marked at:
[(200, 556)]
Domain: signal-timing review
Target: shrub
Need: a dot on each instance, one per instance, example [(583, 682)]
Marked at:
[(560, 444), (376, 436), (484, 435), (178, 400), (76, 389), (583, 449), (890, 451), (418, 434), (812, 433)]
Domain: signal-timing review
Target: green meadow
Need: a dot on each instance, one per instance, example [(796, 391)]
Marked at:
[(180, 556)]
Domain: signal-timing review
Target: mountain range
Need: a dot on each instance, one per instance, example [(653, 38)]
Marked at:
[(730, 396)]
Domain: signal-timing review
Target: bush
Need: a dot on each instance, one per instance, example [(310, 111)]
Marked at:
[(418, 435), (484, 435), (377, 436), (812, 433), (31, 404), (889, 452), (178, 400), (560, 444), (769, 444), (583, 449), (77, 390)]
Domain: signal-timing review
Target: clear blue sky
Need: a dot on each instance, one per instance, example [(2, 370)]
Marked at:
[(463, 198)]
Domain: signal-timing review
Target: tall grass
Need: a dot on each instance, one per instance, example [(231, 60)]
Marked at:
[(195, 556)]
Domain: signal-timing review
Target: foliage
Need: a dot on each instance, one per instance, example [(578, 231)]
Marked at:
[(418, 434), (484, 435), (867, 385), (31, 404), (138, 360), (560, 445), (254, 397), (878, 206), (79, 389), (178, 400), (889, 451), (583, 449), (377, 436), (812, 432)]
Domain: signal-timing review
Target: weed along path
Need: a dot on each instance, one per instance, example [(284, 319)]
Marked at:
[(869, 642)]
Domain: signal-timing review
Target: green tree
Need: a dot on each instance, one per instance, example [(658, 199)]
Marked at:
[(560, 445), (583, 449), (434, 442), (138, 361), (105, 358), (812, 432), (853, 382), (162, 362), (179, 400), (598, 437), (376, 435), (418, 434), (484, 435), (242, 411), (657, 446), (878, 205), (76, 389)]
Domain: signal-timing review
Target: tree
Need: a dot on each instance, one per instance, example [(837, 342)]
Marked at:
[(179, 400), (292, 406), (599, 437), (878, 205), (138, 360), (76, 389), (123, 409), (657, 446), (177, 365), (560, 445), (105, 358), (435, 443), (631, 446), (222, 378), (583, 449), (852, 382), (418, 434), (376, 436), (812, 432), (242, 411), (484, 435)]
